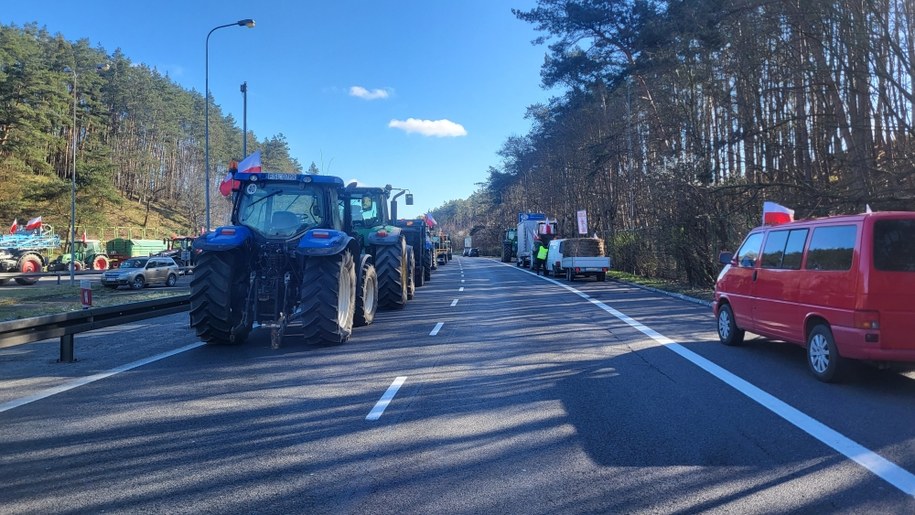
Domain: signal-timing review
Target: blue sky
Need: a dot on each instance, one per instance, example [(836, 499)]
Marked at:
[(443, 83)]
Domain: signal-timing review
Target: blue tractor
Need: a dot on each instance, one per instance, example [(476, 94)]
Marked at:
[(286, 258)]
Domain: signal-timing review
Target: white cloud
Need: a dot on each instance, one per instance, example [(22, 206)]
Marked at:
[(437, 128), (375, 94)]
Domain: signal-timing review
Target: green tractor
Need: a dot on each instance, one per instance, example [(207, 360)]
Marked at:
[(509, 245), (371, 224), (89, 254)]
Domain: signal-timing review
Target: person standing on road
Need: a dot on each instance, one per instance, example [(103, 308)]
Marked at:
[(540, 259)]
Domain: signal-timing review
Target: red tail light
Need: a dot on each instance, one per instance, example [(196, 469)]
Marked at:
[(320, 234), (227, 231), (382, 233)]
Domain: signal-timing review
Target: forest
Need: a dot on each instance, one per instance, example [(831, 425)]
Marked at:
[(671, 123), (138, 136), (676, 120)]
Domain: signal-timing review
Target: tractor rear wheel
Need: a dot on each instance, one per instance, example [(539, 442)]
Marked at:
[(391, 266), (100, 263), (427, 265), (29, 263), (218, 293), (328, 298), (419, 274), (366, 296), (411, 273)]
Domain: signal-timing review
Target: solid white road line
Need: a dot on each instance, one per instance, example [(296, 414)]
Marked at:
[(438, 327), (76, 383), (382, 403), (876, 464), (454, 302)]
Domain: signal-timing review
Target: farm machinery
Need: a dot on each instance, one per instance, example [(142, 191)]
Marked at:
[(22, 252), (89, 254), (371, 224), (286, 258)]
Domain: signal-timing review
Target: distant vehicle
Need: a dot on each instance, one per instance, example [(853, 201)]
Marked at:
[(839, 286), (474, 252), (573, 257), (533, 227), (142, 271)]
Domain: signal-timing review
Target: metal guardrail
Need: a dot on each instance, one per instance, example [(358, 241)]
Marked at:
[(66, 325), (65, 274)]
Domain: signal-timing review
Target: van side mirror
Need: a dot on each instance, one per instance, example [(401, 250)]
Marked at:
[(409, 199), (725, 258)]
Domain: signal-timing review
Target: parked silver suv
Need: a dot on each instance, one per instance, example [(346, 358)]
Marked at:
[(140, 271)]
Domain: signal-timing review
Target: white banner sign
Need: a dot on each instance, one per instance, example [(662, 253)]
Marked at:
[(583, 222)]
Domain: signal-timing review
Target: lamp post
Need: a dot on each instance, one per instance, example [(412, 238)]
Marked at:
[(73, 192), (247, 22), (244, 120), (99, 68)]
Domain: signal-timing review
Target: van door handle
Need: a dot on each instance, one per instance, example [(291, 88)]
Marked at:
[(754, 275)]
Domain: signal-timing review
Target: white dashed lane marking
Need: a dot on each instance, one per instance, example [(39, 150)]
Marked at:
[(382, 403)]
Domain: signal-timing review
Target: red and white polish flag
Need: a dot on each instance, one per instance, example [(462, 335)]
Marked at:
[(33, 224), (775, 214)]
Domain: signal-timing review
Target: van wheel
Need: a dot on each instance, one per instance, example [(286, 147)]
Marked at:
[(728, 332), (823, 356)]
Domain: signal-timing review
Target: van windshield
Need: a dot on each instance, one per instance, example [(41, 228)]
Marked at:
[(894, 245)]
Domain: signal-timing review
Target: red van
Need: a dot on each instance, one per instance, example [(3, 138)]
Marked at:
[(842, 286)]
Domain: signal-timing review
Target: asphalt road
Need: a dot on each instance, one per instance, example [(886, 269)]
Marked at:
[(494, 391)]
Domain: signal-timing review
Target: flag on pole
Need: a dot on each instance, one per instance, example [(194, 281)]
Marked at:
[(15, 226), (34, 223), (250, 164), (775, 214), (430, 221)]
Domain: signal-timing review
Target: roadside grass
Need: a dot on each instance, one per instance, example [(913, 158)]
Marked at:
[(660, 284), (19, 301)]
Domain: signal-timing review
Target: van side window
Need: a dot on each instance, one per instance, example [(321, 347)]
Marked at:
[(749, 251), (831, 248), (784, 249), (774, 250), (794, 250), (894, 245)]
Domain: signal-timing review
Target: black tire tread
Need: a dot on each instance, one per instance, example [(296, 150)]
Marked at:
[(218, 289), (319, 295), (389, 263)]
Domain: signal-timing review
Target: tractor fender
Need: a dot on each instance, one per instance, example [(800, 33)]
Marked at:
[(224, 238), (323, 242), (392, 237)]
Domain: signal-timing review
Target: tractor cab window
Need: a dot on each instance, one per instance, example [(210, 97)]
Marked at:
[(364, 212), (281, 209)]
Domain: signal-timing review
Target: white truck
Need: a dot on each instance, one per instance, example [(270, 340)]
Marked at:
[(532, 227), (574, 257)]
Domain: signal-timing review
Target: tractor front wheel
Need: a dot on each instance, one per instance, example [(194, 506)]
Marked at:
[(328, 298), (218, 293), (366, 296)]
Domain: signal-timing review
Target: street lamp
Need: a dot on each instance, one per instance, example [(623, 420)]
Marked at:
[(206, 109), (244, 120), (73, 192), (99, 68)]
